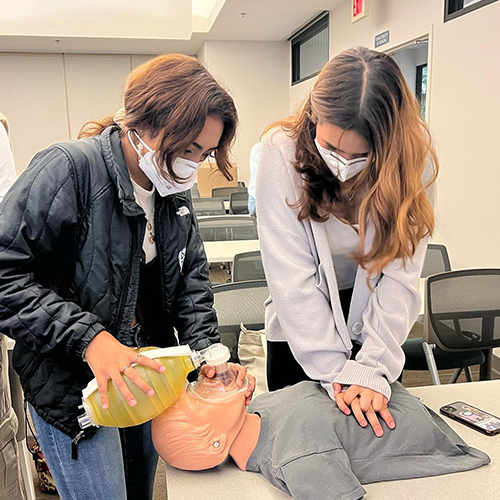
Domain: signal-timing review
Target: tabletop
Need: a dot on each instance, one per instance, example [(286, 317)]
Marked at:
[(227, 482)]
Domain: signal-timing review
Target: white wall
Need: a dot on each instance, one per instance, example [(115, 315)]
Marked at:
[(105, 75), (299, 92), (33, 98), (48, 97), (465, 106), (256, 74)]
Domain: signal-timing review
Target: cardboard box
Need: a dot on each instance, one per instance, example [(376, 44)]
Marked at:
[(210, 177)]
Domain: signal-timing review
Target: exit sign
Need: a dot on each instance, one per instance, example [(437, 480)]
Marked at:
[(358, 10)]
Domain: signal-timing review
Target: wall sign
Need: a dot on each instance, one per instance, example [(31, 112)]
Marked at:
[(382, 38), (358, 10)]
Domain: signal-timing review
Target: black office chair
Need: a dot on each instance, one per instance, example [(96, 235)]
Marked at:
[(238, 203), (228, 228), (236, 304), (225, 192), (247, 266), (208, 206), (437, 261), (463, 318)]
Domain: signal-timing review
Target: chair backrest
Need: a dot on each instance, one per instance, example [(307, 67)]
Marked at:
[(241, 184), (237, 303), (436, 260), (225, 192), (463, 309), (238, 203), (247, 266), (228, 228), (209, 206), (195, 193)]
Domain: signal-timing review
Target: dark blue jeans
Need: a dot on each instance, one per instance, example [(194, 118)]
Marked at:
[(115, 464)]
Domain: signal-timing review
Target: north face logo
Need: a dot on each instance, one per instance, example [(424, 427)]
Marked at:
[(183, 211), (182, 256)]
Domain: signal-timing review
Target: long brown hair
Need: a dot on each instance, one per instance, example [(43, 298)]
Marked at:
[(364, 91), (171, 96)]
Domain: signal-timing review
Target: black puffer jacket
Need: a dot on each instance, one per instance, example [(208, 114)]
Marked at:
[(70, 250)]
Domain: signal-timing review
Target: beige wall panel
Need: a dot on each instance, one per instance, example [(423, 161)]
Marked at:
[(32, 97), (94, 86), (137, 60), (256, 74)]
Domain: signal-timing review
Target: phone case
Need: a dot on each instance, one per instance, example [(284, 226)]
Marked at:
[(473, 417)]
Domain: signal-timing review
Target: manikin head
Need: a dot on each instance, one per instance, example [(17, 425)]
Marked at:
[(196, 434)]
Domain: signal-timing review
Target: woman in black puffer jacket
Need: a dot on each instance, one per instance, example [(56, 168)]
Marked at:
[(100, 253)]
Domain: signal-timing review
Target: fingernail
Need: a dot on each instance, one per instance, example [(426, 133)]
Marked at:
[(162, 369), (347, 412), (363, 424), (151, 393), (132, 402), (379, 433), (392, 425), (104, 406)]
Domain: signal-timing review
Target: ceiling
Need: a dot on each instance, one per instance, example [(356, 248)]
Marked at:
[(155, 26)]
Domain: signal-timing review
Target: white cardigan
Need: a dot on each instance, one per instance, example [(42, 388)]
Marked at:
[(304, 305)]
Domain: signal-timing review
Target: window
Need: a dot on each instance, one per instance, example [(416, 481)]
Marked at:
[(421, 89), (310, 50), (457, 8)]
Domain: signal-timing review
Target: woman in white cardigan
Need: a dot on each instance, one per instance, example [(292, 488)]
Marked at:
[(345, 196)]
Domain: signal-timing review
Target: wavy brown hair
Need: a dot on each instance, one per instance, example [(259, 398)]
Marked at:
[(364, 91), (171, 96)]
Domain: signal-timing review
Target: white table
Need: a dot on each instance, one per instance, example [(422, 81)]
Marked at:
[(227, 482), (224, 251)]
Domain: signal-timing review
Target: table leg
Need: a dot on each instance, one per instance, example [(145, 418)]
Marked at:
[(486, 367)]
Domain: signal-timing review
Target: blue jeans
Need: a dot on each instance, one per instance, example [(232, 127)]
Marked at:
[(114, 464)]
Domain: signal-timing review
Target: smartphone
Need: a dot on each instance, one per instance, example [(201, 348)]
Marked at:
[(473, 417)]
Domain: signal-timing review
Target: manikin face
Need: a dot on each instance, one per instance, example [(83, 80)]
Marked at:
[(195, 435)]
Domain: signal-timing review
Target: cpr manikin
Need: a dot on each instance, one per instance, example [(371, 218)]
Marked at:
[(301, 442), (198, 431)]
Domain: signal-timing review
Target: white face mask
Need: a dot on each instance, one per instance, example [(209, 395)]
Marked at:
[(341, 168), (185, 169)]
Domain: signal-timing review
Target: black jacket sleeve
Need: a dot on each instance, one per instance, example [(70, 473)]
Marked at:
[(39, 212), (194, 316)]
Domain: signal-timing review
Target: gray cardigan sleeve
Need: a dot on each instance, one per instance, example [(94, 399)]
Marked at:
[(392, 310), (303, 310)]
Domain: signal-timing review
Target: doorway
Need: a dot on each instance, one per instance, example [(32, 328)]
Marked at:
[(413, 60)]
